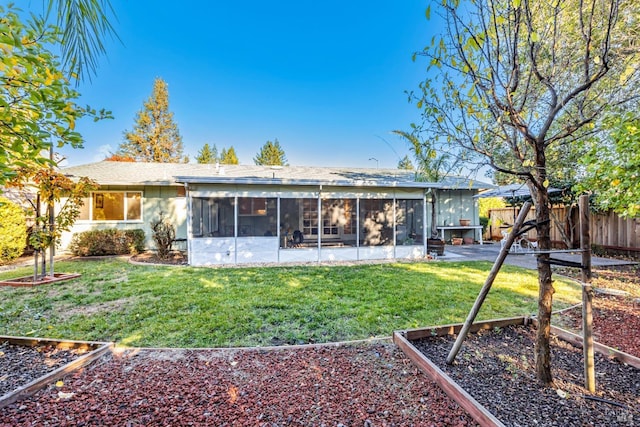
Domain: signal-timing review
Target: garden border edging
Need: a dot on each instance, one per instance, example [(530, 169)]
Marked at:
[(477, 411), (99, 349)]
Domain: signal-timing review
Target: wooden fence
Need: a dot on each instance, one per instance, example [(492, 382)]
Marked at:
[(608, 231)]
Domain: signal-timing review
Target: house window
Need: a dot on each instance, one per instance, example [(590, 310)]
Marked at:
[(310, 217), (112, 206), (257, 216)]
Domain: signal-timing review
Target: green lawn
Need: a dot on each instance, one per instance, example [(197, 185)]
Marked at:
[(201, 307)]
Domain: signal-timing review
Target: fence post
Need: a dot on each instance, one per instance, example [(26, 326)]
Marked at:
[(587, 296)]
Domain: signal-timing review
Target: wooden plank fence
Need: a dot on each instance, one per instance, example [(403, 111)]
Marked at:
[(609, 232)]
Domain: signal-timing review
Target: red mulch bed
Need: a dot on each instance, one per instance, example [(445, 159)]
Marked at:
[(353, 385), (616, 318), (27, 281), (616, 321)]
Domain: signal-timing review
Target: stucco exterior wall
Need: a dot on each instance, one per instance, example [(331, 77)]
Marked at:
[(452, 205), (155, 199)]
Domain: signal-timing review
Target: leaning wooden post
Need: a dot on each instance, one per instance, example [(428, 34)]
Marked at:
[(487, 284), (587, 296)]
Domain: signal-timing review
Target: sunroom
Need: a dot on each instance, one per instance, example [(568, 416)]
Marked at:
[(264, 221)]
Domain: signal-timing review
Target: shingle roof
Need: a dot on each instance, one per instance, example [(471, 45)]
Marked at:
[(129, 173)]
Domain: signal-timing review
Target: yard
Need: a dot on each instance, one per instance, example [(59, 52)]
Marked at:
[(164, 306), (369, 383)]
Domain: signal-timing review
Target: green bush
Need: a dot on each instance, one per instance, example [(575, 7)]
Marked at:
[(13, 231), (484, 222), (107, 242)]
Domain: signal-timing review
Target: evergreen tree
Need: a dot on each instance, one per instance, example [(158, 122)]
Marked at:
[(406, 163), (208, 154), (155, 136), (228, 157), (271, 154)]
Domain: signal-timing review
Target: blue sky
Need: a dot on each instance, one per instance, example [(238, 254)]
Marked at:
[(327, 79)]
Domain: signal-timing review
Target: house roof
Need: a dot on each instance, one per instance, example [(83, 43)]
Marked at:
[(166, 174)]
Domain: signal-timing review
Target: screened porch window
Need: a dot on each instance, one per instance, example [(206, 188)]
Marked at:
[(339, 220), (409, 221), (215, 216), (212, 216), (257, 216), (376, 222)]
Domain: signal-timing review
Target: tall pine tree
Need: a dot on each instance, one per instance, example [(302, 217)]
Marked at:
[(271, 154), (208, 154), (155, 136), (228, 157)]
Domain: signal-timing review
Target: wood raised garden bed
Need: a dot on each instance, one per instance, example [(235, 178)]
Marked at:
[(84, 352), (622, 414), (27, 281)]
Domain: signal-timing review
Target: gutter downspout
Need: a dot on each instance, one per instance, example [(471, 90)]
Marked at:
[(235, 230), (424, 223), (320, 228), (187, 195), (358, 228)]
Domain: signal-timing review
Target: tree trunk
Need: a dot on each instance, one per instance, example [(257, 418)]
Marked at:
[(545, 296)]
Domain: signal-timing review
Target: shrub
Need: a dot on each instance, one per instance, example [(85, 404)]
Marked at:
[(163, 234), (13, 231), (107, 242), (484, 222)]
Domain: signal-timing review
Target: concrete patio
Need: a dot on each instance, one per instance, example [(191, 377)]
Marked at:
[(489, 252)]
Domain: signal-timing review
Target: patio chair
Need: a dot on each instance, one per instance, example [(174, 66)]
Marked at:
[(520, 243), (298, 239)]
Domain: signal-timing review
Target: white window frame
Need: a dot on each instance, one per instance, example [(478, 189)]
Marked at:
[(125, 192)]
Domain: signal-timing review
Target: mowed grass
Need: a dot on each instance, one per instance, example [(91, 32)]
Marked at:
[(158, 306)]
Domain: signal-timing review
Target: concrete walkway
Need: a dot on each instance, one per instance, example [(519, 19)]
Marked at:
[(489, 252)]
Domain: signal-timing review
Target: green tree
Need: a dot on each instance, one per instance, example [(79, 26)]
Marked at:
[(13, 231), (155, 136), (432, 165), (208, 154), (271, 154), (39, 108), (228, 157), (53, 187), (612, 167), (513, 79), (405, 163)]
